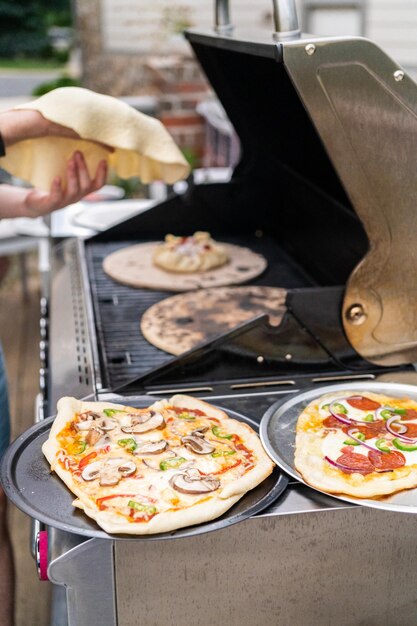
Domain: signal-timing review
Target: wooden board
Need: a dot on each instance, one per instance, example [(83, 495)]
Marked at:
[(179, 323), (134, 266)]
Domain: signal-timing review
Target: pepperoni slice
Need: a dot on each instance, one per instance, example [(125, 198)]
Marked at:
[(410, 415), (355, 463), (386, 460), (362, 403), (373, 429), (332, 422), (411, 430)]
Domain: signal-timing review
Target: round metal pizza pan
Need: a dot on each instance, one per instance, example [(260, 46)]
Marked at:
[(277, 432), (28, 482)]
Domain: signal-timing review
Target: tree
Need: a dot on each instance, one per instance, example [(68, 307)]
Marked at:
[(24, 27)]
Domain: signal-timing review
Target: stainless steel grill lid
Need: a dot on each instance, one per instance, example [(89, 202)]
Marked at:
[(30, 485)]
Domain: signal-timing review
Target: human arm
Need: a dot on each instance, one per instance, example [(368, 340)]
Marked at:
[(17, 125), (32, 202)]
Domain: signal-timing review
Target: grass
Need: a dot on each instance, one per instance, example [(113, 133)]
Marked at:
[(31, 64)]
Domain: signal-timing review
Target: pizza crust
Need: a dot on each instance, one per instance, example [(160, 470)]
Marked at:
[(212, 505), (142, 146), (317, 472)]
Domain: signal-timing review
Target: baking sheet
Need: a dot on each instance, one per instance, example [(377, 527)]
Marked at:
[(277, 432), (28, 482)]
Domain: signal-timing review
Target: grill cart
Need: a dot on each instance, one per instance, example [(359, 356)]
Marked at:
[(325, 190)]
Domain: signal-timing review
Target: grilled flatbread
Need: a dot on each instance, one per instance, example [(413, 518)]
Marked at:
[(358, 444), (179, 323), (134, 266), (176, 463)]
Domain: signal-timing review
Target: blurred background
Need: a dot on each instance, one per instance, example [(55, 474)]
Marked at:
[(133, 50)]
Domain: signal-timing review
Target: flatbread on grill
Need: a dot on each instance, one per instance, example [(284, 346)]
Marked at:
[(179, 323), (142, 145), (134, 266), (178, 462)]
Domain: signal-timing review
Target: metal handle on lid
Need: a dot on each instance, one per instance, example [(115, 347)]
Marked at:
[(223, 24), (285, 19)]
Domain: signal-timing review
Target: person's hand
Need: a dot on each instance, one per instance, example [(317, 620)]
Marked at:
[(78, 184), (20, 124)]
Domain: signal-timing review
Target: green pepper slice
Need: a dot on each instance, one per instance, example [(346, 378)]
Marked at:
[(129, 443), (111, 412), (325, 406), (352, 442), (405, 447), (382, 445), (387, 413), (221, 434), (185, 416), (339, 408), (172, 463), (368, 418), (149, 509), (222, 453), (80, 447)]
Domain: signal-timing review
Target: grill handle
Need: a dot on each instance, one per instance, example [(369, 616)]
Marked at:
[(285, 19), (222, 21)]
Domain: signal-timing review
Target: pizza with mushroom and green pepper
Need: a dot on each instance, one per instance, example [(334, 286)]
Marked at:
[(358, 444), (176, 463)]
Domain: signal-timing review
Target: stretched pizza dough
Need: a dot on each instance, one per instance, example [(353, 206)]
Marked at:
[(134, 266), (142, 145), (179, 323)]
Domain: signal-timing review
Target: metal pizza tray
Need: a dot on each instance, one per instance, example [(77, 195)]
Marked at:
[(28, 482), (277, 432)]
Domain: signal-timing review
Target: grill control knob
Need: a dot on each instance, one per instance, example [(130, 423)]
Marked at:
[(42, 554)]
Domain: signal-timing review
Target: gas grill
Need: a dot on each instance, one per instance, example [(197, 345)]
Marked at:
[(324, 191)]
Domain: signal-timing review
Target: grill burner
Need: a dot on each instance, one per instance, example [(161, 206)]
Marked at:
[(124, 352)]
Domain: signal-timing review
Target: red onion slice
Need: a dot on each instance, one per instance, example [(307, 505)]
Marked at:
[(397, 433), (339, 416), (344, 468), (344, 419), (349, 432)]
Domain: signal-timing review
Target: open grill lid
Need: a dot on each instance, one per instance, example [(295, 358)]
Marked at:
[(338, 115)]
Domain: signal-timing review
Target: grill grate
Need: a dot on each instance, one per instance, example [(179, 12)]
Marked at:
[(124, 352)]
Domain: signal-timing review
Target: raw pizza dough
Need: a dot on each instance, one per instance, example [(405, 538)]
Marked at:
[(187, 255), (142, 145), (179, 323), (142, 471), (323, 441), (134, 266)]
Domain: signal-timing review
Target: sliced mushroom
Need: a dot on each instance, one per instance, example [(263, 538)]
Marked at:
[(83, 425), (127, 469), (109, 476), (150, 447), (199, 432), (106, 423), (145, 422), (93, 435), (91, 471), (103, 442), (197, 444), (192, 482)]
